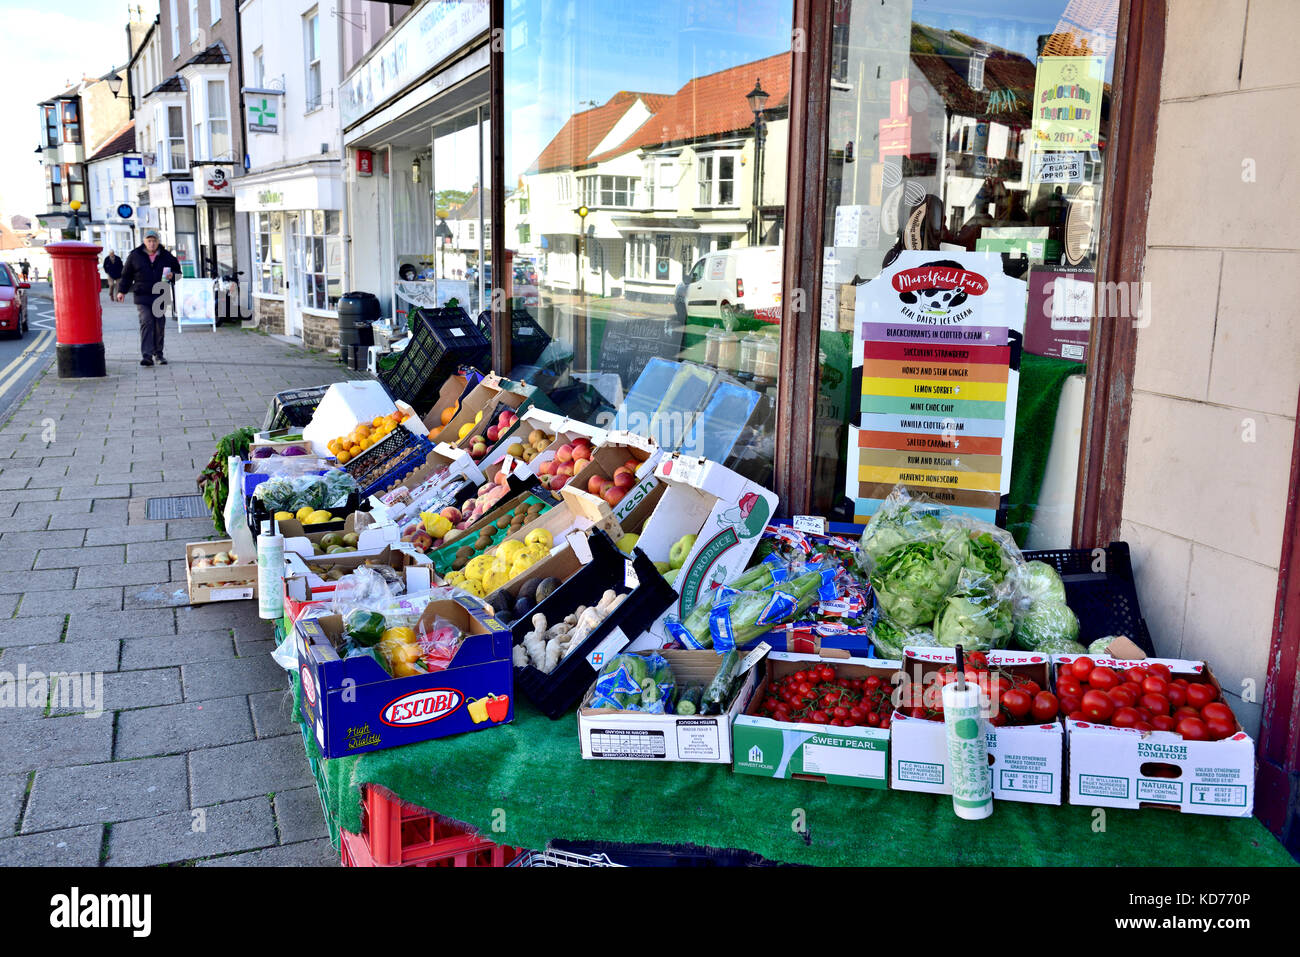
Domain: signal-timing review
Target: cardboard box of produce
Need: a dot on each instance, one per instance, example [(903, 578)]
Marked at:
[(617, 453), (476, 409), (212, 582), (398, 557), (371, 537), (560, 430), (442, 468), (607, 734), (707, 523), (1026, 760), (278, 440), (640, 594), (857, 756), (444, 407), (1125, 767), (353, 705)]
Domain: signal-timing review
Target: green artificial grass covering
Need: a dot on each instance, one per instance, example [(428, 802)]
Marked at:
[(532, 772)]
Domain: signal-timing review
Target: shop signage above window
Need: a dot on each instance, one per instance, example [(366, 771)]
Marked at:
[(365, 163), (182, 192), (214, 181), (426, 38), (262, 108)]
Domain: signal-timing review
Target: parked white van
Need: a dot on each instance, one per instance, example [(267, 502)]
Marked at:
[(732, 282)]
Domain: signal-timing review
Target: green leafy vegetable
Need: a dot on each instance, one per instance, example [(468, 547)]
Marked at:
[(977, 620), (1047, 622), (1039, 582)]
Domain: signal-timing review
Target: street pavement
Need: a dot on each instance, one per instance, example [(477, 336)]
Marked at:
[(196, 757)]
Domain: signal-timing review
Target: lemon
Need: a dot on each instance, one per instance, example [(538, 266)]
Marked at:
[(303, 512), (283, 516), (317, 517)]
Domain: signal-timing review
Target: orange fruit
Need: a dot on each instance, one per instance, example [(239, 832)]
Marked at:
[(378, 421), (344, 456), (448, 414), (355, 450)]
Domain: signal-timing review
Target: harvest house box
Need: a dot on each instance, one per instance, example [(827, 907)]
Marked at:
[(353, 705)]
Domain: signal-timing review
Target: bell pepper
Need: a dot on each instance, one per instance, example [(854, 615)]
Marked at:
[(478, 710), (498, 707)]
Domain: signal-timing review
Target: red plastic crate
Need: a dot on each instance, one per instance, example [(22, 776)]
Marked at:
[(397, 834), (487, 854)]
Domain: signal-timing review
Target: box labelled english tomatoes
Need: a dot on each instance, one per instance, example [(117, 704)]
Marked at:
[(1153, 733), (354, 705)]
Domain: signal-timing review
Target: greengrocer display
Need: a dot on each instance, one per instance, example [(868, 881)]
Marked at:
[(654, 596)]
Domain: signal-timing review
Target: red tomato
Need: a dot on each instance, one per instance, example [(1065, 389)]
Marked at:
[(1045, 706), (1217, 709), (1081, 667), (1177, 696), (1135, 687), (1199, 695), (874, 720), (1186, 711), (818, 717), (826, 673), (1103, 678), (1123, 696), (1144, 714), (1163, 722), (1161, 670), (1137, 674), (830, 699), (1193, 729), (884, 720), (999, 720), (1018, 703), (1071, 703), (977, 659), (1181, 682), (1220, 728), (1077, 716), (1154, 684), (1155, 703), (1125, 717), (1144, 726), (1030, 688), (871, 683), (1068, 685), (1098, 706)]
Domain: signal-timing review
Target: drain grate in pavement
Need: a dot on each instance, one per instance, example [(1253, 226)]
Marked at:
[(176, 506)]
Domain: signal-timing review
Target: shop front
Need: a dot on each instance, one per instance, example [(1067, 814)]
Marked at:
[(296, 232), (416, 129), (172, 202)]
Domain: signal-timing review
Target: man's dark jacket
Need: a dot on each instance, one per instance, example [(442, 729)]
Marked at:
[(143, 278)]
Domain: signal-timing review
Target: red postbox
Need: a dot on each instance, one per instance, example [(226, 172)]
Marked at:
[(78, 315)]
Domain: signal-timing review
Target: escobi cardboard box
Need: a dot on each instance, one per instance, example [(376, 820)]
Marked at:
[(768, 748), (1026, 760), (724, 511), (605, 733), (353, 705), (1124, 767)]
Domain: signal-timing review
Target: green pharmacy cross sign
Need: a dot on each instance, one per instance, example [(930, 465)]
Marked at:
[(262, 115)]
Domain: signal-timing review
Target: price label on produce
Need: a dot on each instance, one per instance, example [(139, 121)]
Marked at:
[(813, 524)]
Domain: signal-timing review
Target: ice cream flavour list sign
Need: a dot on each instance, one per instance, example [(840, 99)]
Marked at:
[(932, 337)]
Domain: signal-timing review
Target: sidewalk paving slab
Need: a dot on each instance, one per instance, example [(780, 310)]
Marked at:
[(297, 812), (188, 835), (101, 793), (318, 853), (243, 770), (177, 728), (68, 847)]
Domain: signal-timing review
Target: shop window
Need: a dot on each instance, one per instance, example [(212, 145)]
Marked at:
[(691, 365), (322, 252), (268, 253), (979, 141), (311, 49)]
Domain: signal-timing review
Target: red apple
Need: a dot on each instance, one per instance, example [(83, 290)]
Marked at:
[(564, 454), (632, 464), (565, 470), (613, 494), (582, 444), (546, 468), (596, 484), (622, 470), (624, 480), (493, 433)]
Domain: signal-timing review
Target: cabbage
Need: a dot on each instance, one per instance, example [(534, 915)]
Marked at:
[(911, 581), (976, 620), (891, 528), (1101, 646), (1039, 582), (1062, 648), (1047, 623), (890, 640)]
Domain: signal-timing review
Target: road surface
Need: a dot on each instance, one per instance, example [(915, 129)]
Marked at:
[(23, 360)]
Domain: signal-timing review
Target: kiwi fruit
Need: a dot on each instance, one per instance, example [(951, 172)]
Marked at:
[(459, 563), (464, 552), (503, 521)]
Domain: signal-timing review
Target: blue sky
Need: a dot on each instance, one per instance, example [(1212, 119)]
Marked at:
[(47, 47)]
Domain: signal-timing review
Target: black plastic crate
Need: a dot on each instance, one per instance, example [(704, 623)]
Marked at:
[(259, 513), (442, 340), (528, 340), (1106, 601), (396, 455), (556, 694), (293, 408), (666, 855)]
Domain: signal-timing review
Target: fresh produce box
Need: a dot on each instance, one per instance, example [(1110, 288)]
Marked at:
[(445, 406), (706, 526), (480, 411), (565, 637), (213, 573), (354, 705), (619, 473), (537, 436), (360, 534), (486, 536), (1153, 733), (278, 440), (320, 573), (1025, 738), (699, 732), (787, 745)]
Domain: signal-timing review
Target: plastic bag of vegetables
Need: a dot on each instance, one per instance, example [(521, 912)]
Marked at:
[(976, 619), (336, 486), (1040, 582), (739, 617), (889, 639), (1045, 622), (692, 631), (631, 682)]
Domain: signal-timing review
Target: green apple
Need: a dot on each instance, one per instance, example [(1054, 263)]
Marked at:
[(681, 548), (671, 576), (628, 542), (664, 567)]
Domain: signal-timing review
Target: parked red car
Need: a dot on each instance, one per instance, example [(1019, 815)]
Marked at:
[(13, 302)]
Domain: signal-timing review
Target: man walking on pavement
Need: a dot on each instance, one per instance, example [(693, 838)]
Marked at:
[(148, 268), (25, 266), (113, 270)]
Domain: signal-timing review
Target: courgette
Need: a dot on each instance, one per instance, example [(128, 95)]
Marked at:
[(689, 703), (716, 694)]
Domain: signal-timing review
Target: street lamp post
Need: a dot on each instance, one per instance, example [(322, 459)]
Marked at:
[(582, 212), (75, 206), (757, 98)]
